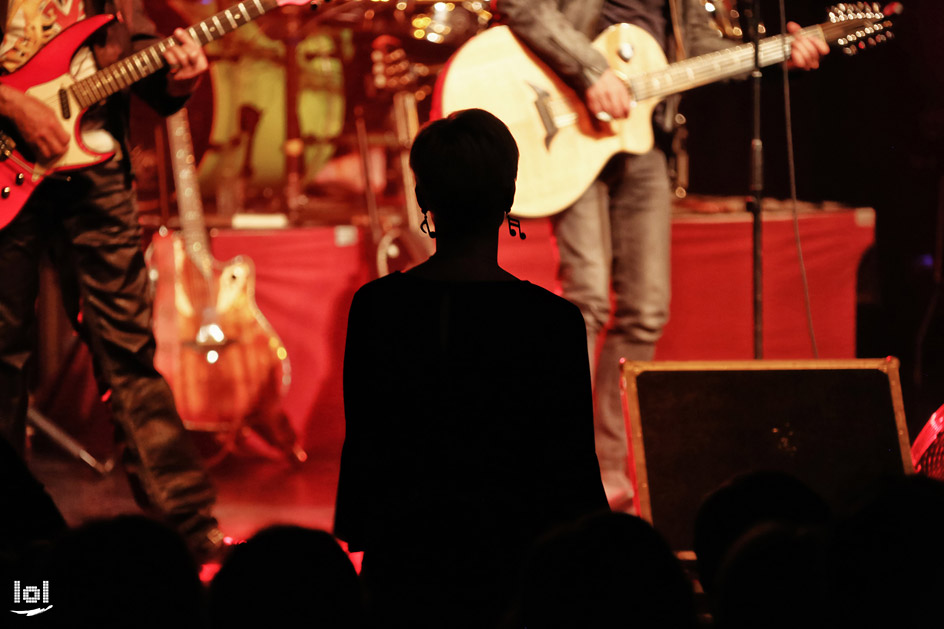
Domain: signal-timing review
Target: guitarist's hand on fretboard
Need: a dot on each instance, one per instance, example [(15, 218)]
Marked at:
[(35, 122), (805, 51), (187, 64), (609, 97)]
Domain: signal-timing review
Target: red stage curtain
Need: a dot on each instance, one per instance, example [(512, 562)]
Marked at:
[(307, 277)]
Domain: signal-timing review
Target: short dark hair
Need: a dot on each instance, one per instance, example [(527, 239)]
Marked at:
[(464, 163)]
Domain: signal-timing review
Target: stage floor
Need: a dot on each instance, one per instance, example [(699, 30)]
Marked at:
[(253, 491)]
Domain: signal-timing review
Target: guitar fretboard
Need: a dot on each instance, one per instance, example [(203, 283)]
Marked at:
[(715, 66), (731, 62), (133, 68), (189, 204)]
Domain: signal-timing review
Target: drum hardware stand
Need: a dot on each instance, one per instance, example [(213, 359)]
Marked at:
[(294, 146), (66, 442), (757, 182), (370, 198), (39, 421), (679, 159)]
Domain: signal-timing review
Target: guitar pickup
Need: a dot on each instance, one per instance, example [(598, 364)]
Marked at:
[(64, 104)]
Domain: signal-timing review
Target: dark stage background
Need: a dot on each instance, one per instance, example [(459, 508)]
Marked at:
[(868, 131)]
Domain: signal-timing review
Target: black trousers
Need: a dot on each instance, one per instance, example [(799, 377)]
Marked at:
[(89, 225)]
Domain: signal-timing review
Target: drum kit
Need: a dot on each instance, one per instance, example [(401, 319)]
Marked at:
[(311, 114)]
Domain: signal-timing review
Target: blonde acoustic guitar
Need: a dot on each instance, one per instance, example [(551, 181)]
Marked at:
[(563, 147)]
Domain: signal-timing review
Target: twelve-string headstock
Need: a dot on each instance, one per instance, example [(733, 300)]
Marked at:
[(855, 26)]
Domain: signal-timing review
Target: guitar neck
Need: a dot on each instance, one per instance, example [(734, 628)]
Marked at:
[(716, 66), (189, 204), (133, 68)]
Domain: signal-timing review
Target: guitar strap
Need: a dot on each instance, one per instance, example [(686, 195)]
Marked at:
[(675, 14), (126, 9)]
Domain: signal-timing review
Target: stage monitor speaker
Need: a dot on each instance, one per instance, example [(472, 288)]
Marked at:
[(834, 424)]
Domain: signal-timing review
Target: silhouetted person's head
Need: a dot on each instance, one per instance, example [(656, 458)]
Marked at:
[(128, 571), (745, 502), (608, 570), (286, 576), (887, 557), (772, 577), (465, 167)]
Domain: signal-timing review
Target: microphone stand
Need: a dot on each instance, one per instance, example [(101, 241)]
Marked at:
[(757, 183)]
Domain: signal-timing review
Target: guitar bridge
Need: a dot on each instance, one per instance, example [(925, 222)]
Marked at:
[(541, 103)]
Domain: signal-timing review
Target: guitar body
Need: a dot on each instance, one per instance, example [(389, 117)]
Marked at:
[(44, 77), (563, 147), (219, 387)]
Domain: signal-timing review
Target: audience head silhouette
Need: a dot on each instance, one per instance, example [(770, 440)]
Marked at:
[(747, 501), (772, 577), (887, 557), (608, 570), (287, 576), (465, 167), (128, 571)]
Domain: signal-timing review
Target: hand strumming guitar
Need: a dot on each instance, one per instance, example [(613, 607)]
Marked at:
[(35, 122), (608, 96)]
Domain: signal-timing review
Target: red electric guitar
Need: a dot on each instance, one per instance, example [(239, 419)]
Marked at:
[(46, 77)]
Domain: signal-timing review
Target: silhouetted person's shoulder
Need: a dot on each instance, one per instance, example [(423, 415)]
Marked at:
[(515, 293)]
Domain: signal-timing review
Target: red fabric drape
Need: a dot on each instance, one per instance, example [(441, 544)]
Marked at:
[(306, 278)]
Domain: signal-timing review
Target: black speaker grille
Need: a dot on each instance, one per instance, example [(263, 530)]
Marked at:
[(834, 429)]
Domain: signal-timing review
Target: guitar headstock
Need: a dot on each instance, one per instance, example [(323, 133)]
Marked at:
[(393, 71), (856, 26)]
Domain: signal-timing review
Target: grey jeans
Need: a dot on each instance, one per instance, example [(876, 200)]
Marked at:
[(618, 233)]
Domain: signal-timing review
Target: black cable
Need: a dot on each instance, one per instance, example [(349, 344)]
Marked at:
[(791, 169)]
